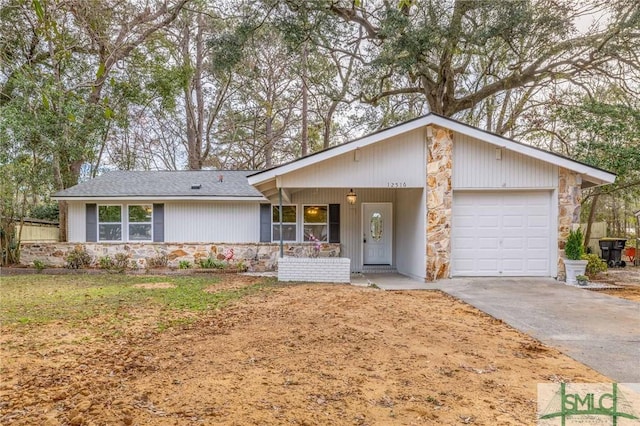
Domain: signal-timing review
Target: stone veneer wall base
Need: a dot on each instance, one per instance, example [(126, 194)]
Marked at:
[(258, 257)]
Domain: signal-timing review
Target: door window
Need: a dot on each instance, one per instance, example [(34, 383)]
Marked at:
[(376, 225)]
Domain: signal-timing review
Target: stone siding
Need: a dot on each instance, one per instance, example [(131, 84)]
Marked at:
[(439, 202), (569, 198), (324, 270), (257, 257)]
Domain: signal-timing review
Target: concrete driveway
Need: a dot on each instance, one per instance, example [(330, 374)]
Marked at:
[(596, 329)]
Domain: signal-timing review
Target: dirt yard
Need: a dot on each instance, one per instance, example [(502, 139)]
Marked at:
[(627, 278), (299, 354)]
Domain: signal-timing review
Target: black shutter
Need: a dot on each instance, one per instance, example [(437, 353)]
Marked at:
[(334, 223), (158, 223), (91, 223), (265, 223)]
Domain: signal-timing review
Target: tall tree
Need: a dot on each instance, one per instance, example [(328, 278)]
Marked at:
[(459, 54), (604, 132), (67, 65), (261, 115)]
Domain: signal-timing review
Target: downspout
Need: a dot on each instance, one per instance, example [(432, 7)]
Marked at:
[(280, 214)]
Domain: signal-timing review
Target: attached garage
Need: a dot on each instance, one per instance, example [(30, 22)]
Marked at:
[(502, 233)]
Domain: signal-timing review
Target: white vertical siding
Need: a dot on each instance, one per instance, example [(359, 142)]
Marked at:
[(213, 221), (76, 222), (410, 217), (475, 166), (398, 161), (350, 216)]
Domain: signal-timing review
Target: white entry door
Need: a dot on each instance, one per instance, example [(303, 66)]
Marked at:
[(377, 231), (501, 234)]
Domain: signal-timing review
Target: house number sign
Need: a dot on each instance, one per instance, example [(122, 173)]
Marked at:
[(396, 184)]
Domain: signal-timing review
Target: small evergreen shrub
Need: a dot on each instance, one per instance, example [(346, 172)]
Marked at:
[(211, 263), (161, 260), (77, 258), (241, 266), (39, 265), (595, 264), (105, 262), (184, 264), (121, 261), (574, 248)]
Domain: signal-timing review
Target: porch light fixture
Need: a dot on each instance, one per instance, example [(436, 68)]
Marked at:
[(351, 197)]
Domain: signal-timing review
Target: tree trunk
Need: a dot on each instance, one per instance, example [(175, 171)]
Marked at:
[(63, 207), (304, 145), (268, 149), (190, 119), (194, 96), (197, 83), (592, 215)]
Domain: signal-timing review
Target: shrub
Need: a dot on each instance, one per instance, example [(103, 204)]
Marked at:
[(211, 263), (574, 248), (241, 266), (159, 261), (184, 264), (121, 261), (105, 262), (77, 258), (595, 264), (39, 265)]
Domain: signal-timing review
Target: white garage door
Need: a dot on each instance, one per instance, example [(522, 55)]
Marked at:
[(501, 234)]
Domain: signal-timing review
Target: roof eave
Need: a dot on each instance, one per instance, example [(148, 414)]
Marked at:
[(158, 198), (592, 174)]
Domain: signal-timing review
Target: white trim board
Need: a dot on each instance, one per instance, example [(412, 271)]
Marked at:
[(159, 198)]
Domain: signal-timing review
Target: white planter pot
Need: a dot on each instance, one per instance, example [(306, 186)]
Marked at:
[(574, 268)]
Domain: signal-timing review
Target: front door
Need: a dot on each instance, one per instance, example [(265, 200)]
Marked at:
[(377, 227)]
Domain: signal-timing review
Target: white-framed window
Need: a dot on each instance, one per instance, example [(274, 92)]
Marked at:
[(289, 223), (110, 222), (140, 222), (315, 222)]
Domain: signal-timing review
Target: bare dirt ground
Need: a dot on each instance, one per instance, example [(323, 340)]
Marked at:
[(299, 355), (628, 278)]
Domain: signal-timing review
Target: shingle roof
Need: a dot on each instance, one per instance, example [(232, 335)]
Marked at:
[(165, 184)]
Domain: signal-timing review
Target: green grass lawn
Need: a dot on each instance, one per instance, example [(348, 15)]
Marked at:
[(39, 299)]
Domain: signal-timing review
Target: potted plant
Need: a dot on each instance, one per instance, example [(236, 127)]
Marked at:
[(582, 279), (574, 250)]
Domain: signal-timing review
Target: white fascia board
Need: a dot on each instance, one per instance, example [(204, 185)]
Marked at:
[(592, 174), (172, 198), (335, 151)]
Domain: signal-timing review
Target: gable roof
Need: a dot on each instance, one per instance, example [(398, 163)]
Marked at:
[(591, 174), (163, 185)]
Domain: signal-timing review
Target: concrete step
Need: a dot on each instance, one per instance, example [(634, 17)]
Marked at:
[(378, 269)]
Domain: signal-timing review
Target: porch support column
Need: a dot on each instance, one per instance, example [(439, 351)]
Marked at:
[(439, 202), (280, 219), (569, 199)]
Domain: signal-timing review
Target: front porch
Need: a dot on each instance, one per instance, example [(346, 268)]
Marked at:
[(382, 231)]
